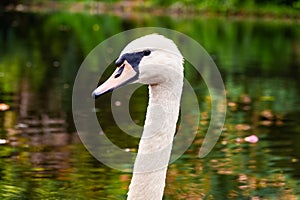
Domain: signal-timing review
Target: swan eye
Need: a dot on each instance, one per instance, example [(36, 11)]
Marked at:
[(147, 52)]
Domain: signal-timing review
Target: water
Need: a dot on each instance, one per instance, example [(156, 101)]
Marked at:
[(41, 156)]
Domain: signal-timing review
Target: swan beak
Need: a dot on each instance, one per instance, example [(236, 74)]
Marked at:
[(124, 74)]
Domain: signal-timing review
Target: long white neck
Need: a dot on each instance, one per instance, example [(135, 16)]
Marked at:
[(155, 146)]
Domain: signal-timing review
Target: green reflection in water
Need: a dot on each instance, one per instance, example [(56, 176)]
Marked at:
[(43, 159)]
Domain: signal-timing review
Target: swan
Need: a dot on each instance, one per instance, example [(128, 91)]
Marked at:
[(156, 61)]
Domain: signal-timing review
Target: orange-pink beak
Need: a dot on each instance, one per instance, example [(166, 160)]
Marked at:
[(123, 75)]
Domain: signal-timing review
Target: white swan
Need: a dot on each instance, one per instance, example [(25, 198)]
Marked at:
[(156, 61)]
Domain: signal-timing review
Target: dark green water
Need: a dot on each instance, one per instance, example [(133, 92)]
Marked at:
[(42, 158)]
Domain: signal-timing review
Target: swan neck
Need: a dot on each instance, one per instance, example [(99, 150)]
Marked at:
[(155, 146)]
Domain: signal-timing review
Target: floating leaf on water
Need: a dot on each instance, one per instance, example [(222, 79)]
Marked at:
[(251, 139), (242, 127), (246, 99), (268, 114), (3, 141), (232, 104), (4, 107), (266, 123)]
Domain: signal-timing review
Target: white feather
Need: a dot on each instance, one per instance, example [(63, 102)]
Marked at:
[(163, 71)]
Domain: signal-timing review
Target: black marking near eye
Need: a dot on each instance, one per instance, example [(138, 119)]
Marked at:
[(120, 61), (133, 59), (147, 52), (119, 72)]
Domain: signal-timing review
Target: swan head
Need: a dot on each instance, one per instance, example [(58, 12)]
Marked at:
[(152, 59)]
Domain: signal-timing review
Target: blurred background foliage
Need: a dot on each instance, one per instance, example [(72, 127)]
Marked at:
[(257, 55), (241, 6)]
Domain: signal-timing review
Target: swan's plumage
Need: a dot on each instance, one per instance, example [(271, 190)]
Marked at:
[(152, 41), (162, 70)]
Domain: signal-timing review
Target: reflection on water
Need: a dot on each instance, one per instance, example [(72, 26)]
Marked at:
[(41, 156)]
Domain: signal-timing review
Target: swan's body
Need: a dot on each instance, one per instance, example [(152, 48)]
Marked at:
[(156, 61)]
